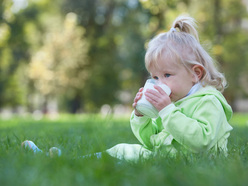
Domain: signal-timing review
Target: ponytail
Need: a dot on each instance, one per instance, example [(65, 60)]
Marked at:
[(186, 24)]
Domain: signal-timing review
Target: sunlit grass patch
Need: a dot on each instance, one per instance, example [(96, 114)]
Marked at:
[(85, 134)]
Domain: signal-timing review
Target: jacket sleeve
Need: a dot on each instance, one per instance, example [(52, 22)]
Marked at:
[(143, 128), (198, 132)]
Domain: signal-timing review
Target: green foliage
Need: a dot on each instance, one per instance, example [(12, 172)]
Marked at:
[(102, 57), (79, 135), (61, 65)]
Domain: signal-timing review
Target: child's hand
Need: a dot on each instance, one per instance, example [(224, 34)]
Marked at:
[(136, 99), (159, 99)]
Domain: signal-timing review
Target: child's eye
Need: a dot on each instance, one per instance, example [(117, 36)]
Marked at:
[(155, 77), (167, 75)]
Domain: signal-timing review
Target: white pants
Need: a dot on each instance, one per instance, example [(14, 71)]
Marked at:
[(129, 152)]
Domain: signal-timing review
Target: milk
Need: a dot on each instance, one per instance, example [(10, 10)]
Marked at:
[(143, 106)]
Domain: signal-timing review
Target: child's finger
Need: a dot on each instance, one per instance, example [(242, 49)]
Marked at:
[(159, 89), (134, 104), (152, 93), (138, 96)]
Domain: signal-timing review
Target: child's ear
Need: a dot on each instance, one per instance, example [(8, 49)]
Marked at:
[(198, 72)]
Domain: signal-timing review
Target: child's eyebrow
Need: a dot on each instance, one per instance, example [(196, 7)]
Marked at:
[(168, 70)]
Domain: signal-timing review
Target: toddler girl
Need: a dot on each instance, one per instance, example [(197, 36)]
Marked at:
[(194, 117)]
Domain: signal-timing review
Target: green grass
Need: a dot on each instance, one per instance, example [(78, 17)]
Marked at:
[(84, 134)]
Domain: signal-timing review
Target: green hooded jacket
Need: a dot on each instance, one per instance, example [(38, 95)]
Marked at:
[(198, 122)]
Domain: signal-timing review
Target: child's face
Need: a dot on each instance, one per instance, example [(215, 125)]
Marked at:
[(175, 76)]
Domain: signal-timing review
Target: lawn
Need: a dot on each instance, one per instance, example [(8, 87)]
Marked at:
[(78, 135)]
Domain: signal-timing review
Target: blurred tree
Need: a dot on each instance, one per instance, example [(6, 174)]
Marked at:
[(234, 42), (12, 51), (117, 31), (103, 23), (99, 59), (60, 68), (17, 17), (220, 23)]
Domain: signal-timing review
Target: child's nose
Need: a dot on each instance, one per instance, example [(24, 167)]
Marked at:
[(162, 82)]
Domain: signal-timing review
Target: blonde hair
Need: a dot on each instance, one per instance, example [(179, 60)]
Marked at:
[(182, 43)]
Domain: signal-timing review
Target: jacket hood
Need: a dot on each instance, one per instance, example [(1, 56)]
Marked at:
[(208, 90)]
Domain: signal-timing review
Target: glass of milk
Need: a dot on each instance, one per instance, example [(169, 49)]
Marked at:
[(143, 106)]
